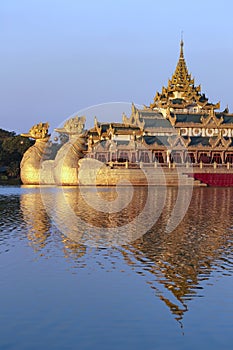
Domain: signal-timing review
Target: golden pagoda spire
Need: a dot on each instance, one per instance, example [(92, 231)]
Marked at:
[(181, 91), (180, 86), (181, 79), (181, 49)]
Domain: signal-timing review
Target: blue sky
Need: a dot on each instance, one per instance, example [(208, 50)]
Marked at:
[(62, 56)]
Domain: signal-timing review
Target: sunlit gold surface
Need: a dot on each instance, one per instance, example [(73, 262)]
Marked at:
[(65, 169), (30, 166)]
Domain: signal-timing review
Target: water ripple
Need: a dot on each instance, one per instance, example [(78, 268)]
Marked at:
[(176, 266)]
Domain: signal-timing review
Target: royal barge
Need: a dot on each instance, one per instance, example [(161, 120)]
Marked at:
[(179, 134)]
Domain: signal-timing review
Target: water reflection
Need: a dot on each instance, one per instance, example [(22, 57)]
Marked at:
[(38, 224), (9, 220), (105, 217), (175, 265), (179, 262), (36, 219)]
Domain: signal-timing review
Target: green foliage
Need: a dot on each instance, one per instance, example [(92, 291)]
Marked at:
[(12, 148), (5, 133)]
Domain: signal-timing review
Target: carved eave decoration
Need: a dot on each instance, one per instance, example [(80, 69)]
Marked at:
[(164, 91), (211, 106), (177, 105), (90, 143), (171, 118), (202, 104), (200, 146), (132, 119), (110, 131), (98, 127), (98, 147), (217, 105), (220, 141), (186, 141), (146, 108), (168, 114), (178, 139), (211, 119), (125, 119), (138, 122), (155, 104)]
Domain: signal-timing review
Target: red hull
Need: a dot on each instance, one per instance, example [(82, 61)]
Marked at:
[(214, 179)]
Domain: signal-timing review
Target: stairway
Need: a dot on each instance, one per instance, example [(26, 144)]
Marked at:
[(170, 177)]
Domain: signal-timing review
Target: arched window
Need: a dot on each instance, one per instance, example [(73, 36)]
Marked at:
[(158, 157), (229, 158), (217, 158), (190, 157), (145, 157), (114, 157), (102, 158), (176, 157), (204, 158), (133, 158), (123, 157)]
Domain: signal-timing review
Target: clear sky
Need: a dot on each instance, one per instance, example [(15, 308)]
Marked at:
[(61, 56)]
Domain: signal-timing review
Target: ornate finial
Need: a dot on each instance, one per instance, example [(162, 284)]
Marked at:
[(181, 45), (95, 121)]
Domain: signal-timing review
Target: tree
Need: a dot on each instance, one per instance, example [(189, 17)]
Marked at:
[(12, 148)]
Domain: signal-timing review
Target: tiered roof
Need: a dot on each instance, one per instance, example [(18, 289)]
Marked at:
[(181, 91)]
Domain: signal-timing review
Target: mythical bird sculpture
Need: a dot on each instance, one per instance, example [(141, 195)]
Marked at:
[(66, 161), (30, 165)]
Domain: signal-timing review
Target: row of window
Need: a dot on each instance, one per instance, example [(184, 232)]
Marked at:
[(204, 158), (124, 156), (176, 157)]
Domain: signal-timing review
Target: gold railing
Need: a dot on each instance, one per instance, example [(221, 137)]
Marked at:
[(138, 165)]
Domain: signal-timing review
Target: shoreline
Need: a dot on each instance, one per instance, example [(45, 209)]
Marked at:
[(11, 182)]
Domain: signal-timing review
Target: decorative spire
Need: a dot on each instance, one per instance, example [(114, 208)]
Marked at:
[(181, 49), (181, 91), (181, 78)]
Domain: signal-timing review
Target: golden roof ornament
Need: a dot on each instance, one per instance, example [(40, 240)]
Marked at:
[(181, 88), (181, 78)]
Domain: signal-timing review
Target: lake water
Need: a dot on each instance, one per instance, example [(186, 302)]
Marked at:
[(68, 283)]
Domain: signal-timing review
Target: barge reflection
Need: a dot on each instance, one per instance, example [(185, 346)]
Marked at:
[(175, 265)]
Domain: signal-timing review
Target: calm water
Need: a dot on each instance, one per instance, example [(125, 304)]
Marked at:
[(63, 288)]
